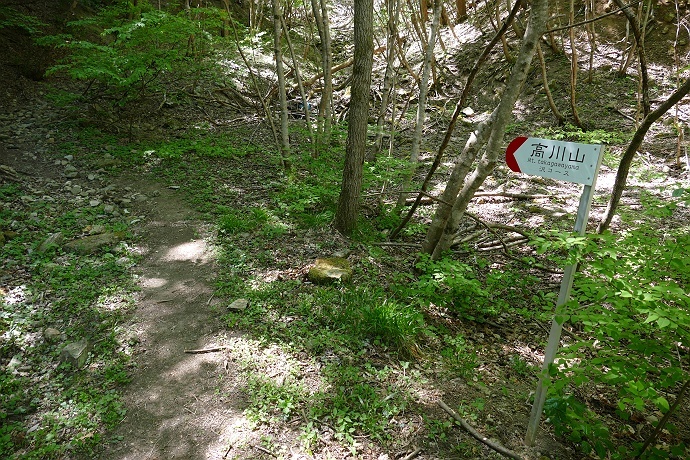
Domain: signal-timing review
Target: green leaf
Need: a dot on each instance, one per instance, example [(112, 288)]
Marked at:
[(652, 317), (663, 322), (662, 403)]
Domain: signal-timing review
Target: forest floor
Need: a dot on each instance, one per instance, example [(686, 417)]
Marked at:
[(197, 230)]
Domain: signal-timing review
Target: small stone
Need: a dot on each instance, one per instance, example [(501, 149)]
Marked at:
[(329, 270), (94, 203), (69, 157), (51, 335), (468, 111), (91, 176), (108, 208), (14, 363), (94, 229), (75, 189), (239, 305), (93, 243), (75, 353), (53, 240)]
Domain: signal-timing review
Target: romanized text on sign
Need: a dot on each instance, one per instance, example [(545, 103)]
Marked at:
[(566, 161)]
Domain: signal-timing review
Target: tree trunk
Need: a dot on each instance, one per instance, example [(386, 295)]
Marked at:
[(389, 77), (629, 155), (547, 90), (300, 86), (461, 6), (443, 226), (348, 203), (278, 53), (637, 33), (421, 106), (323, 122), (573, 67), (470, 147)]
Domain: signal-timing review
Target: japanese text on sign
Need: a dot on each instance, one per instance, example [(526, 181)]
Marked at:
[(559, 160)]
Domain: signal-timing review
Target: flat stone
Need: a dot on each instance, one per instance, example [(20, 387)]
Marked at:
[(93, 243), (51, 335), (239, 305), (329, 270), (53, 240), (75, 353)]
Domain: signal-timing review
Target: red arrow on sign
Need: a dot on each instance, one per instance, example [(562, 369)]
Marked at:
[(510, 153)]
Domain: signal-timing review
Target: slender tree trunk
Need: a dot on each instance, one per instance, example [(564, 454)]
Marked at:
[(421, 106), (348, 203), (389, 76), (573, 67), (446, 219), (327, 75), (549, 97), (469, 151), (323, 121), (264, 105), (282, 95), (635, 26), (629, 155), (300, 86), (461, 7)]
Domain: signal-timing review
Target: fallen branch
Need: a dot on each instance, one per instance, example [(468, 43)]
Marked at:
[(265, 451), (335, 69), (517, 196), (494, 445), (206, 350), (412, 454), (431, 198), (400, 245)]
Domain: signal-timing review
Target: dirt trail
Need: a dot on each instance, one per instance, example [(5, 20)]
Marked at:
[(179, 405)]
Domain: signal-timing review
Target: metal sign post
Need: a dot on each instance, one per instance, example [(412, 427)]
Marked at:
[(570, 162)]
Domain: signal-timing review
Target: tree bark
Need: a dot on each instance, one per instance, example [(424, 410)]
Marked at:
[(461, 7), (389, 77), (629, 155), (573, 68), (471, 146), (547, 90), (300, 85), (282, 96), (324, 115), (421, 105), (636, 30), (443, 227), (348, 202)]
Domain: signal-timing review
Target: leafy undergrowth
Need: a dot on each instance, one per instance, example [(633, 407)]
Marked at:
[(350, 368), (360, 364), (54, 297)]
